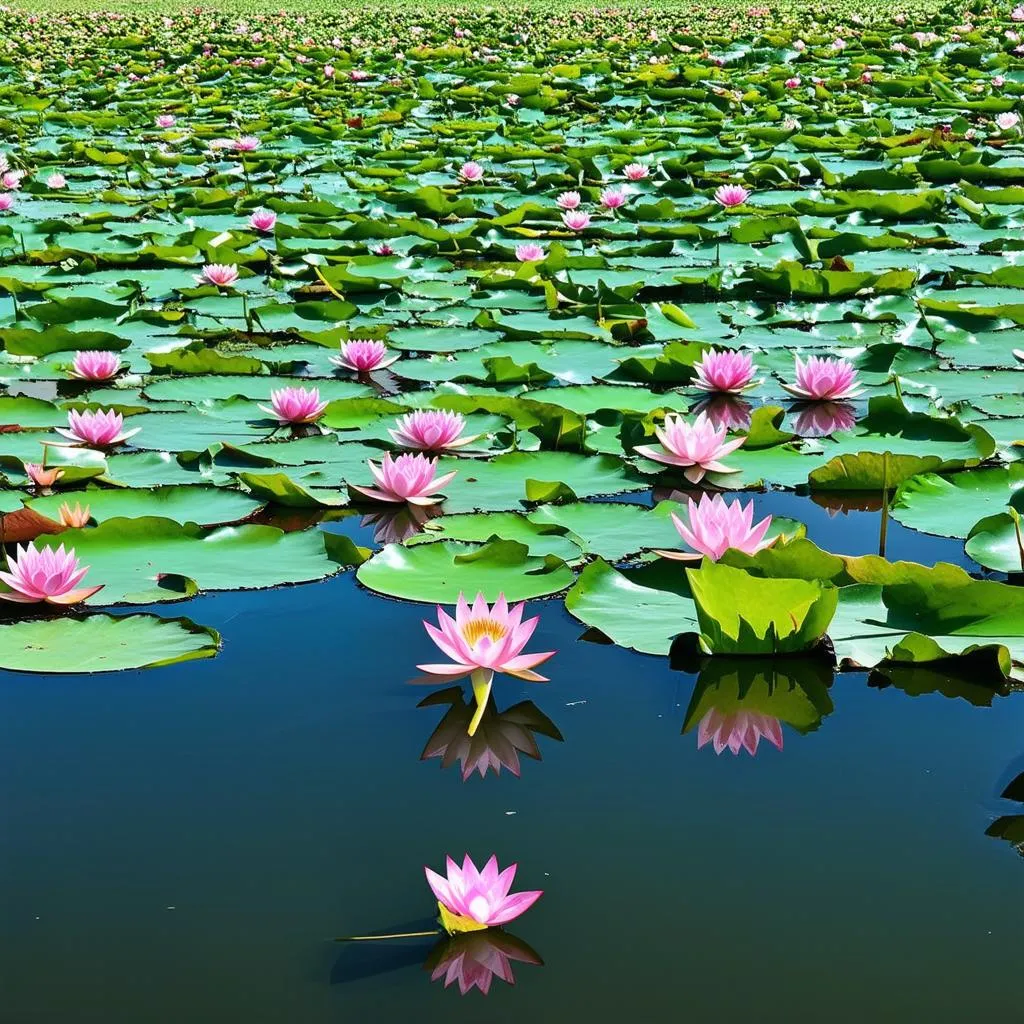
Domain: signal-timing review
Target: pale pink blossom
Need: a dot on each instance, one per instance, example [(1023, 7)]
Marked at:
[(512, 99), (12, 179), (165, 121), (824, 379), (6, 202), (431, 430), (246, 143), (328, 71), (42, 476), (383, 250), (738, 730), (94, 364), (568, 200), (100, 427), (56, 181), (998, 81), (470, 899), (613, 198), (799, 44), (1007, 120), (636, 172), (867, 78), (471, 172), (223, 275), (363, 356), (263, 220), (50, 575), (529, 252), (725, 372), (73, 518), (405, 478), (838, 44), (792, 83), (697, 448), (1017, 14), (295, 405), (474, 959), (576, 220), (715, 526), (731, 195), (358, 75)]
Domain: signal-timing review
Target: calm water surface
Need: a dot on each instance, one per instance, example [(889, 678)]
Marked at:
[(183, 844)]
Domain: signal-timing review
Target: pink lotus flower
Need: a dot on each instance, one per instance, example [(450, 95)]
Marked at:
[(41, 476), (93, 364), (363, 356), (1007, 120), (358, 75), (12, 179), (725, 410), (474, 959), (405, 478), (295, 405), (793, 83), (998, 81), (100, 428), (636, 172), (328, 71), (223, 275), (568, 201), (838, 44), (576, 220), (165, 121), (824, 379), (512, 99), (471, 172), (48, 575), (819, 419), (699, 448), (431, 430), (612, 198), (1017, 14), (799, 44), (529, 252), (470, 900), (56, 181), (729, 196), (383, 250), (6, 202), (245, 143), (867, 78), (726, 372), (715, 526), (738, 730), (73, 518), (263, 220)]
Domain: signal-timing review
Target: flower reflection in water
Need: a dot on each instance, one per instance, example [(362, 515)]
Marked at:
[(499, 740), (737, 702), (473, 959), (727, 411), (819, 419), (392, 525)]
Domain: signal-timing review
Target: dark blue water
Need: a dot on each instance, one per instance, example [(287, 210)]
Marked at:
[(183, 844)]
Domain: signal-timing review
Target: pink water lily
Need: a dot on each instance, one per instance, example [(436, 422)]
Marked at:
[(697, 448), (792, 83), (295, 405), (263, 220), (94, 364), (411, 478), (102, 427), (471, 172), (819, 419), (165, 121), (475, 959), (245, 143), (725, 372), (635, 172), (613, 198), (50, 575), (42, 476), (576, 220), (731, 195), (431, 430), (824, 379), (1007, 120), (568, 200), (56, 181), (739, 730), (529, 252), (470, 899), (221, 274), (363, 356), (6, 202), (73, 518), (716, 525)]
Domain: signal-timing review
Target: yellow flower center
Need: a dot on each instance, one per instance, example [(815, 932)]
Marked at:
[(476, 629)]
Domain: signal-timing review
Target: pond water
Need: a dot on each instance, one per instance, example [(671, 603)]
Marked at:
[(185, 844)]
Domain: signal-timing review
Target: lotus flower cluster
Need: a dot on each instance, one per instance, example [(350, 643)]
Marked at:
[(295, 405), (738, 730), (726, 372), (51, 575), (93, 364), (405, 478), (431, 430), (363, 356), (470, 899), (698, 448), (99, 428), (821, 380), (716, 525)]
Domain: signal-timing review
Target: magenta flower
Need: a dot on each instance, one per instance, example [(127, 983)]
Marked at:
[(93, 364), (56, 181), (715, 526), (263, 220), (819, 419), (12, 179), (6, 202), (431, 430), (471, 900), (529, 252), (731, 195), (165, 121), (824, 379), (50, 575), (471, 172), (568, 201), (42, 476), (474, 959), (99, 428), (245, 143), (295, 405), (636, 172), (383, 250), (725, 372), (223, 275), (405, 478), (740, 729), (613, 198), (363, 356), (792, 83), (576, 220), (698, 448)]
